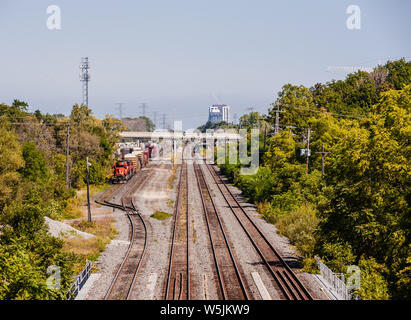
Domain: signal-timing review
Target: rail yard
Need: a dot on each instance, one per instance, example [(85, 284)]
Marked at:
[(209, 244)]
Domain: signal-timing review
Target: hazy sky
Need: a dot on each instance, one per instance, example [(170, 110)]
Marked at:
[(177, 56)]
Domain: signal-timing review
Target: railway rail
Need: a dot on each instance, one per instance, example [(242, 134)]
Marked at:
[(230, 280), (288, 283), (178, 277), (123, 282)]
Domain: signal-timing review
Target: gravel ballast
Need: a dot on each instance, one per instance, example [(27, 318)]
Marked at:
[(63, 230), (280, 243)]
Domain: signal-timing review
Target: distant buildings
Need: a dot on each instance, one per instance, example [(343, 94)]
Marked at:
[(219, 112)]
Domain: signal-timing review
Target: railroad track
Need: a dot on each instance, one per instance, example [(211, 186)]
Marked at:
[(288, 283), (178, 278), (231, 285), (123, 282)]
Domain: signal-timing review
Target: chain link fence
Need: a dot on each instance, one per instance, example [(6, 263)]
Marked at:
[(79, 282), (336, 281)]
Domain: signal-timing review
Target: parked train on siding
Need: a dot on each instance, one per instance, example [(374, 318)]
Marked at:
[(125, 169)]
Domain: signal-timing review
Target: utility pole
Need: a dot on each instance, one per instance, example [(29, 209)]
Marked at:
[(67, 155), (323, 153), (88, 192), (277, 119), (308, 147)]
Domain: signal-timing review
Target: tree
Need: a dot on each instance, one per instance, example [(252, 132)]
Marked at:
[(368, 185), (141, 123), (399, 73), (280, 149), (252, 120), (216, 125), (298, 104), (11, 160), (35, 167)]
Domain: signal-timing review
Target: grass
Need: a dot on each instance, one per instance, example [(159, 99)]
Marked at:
[(170, 203), (73, 209), (160, 215), (299, 226), (194, 233), (172, 177), (90, 249)]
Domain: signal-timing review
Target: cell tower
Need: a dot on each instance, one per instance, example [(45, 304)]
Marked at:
[(84, 78)]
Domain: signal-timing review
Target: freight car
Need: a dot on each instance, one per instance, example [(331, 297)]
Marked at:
[(122, 171)]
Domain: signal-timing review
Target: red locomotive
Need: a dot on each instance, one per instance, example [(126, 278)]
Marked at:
[(123, 171), (132, 167)]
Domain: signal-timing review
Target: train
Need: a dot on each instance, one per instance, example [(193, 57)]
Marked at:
[(123, 170)]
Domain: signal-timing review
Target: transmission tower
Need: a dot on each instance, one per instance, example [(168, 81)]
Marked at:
[(155, 118), (120, 109), (84, 78), (143, 108), (164, 120)]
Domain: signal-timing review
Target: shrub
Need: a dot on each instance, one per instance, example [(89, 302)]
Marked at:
[(337, 256), (299, 226), (159, 215), (267, 211), (373, 285)]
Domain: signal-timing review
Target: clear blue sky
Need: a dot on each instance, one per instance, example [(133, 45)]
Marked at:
[(175, 54)]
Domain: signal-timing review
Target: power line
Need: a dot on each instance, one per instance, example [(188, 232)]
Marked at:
[(331, 113), (37, 123)]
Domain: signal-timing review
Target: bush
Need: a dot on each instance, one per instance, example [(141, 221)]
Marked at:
[(268, 211), (374, 286), (299, 226), (337, 256)]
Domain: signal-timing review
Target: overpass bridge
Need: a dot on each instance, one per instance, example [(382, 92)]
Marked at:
[(180, 135)]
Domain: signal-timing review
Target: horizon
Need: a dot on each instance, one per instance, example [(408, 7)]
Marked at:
[(180, 58)]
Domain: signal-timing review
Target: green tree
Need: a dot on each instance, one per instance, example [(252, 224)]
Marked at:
[(399, 73), (11, 160), (252, 120), (280, 149), (35, 167), (298, 104)]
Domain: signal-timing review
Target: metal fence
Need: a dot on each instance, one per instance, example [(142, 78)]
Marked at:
[(79, 282), (337, 283)]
